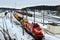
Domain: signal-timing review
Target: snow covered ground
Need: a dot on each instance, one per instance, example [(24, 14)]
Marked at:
[(16, 32), (47, 18)]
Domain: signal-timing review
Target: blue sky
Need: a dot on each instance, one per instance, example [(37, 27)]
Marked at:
[(25, 3)]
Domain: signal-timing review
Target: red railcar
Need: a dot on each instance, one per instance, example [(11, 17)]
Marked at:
[(32, 28)]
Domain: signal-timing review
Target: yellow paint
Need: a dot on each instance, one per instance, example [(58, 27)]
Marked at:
[(16, 15), (24, 22)]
